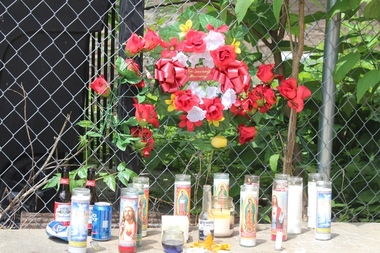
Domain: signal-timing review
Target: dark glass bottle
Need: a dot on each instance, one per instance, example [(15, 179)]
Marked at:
[(90, 184), (62, 202)]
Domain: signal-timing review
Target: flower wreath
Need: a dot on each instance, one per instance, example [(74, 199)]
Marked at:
[(199, 71)]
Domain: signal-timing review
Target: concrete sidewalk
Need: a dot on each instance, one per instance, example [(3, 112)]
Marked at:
[(346, 237)]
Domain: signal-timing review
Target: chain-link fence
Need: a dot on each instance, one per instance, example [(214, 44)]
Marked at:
[(52, 50)]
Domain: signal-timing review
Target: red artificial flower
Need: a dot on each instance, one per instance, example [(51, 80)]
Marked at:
[(185, 100), (171, 48), (214, 110), (146, 114), (288, 88), (133, 66), (223, 56), (262, 97), (146, 137), (246, 133), (297, 103), (188, 124), (194, 42), (151, 39), (101, 86), (223, 28), (265, 73), (135, 44)]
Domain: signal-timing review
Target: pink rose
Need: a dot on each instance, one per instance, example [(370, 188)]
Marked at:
[(246, 133), (101, 86), (265, 73), (223, 56), (288, 88), (134, 45)]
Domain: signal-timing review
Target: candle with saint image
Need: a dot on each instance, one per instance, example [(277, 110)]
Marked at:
[(221, 184), (295, 187), (182, 191), (223, 212)]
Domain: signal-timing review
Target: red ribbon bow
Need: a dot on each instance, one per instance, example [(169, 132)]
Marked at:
[(236, 76), (170, 74)]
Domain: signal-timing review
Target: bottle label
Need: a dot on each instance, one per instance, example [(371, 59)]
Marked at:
[(128, 222), (62, 212), (90, 183), (64, 181), (206, 227)]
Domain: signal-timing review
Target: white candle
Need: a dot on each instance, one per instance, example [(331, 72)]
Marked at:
[(222, 222), (294, 205)]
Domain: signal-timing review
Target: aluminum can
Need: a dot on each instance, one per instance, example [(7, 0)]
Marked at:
[(80, 207), (101, 221)]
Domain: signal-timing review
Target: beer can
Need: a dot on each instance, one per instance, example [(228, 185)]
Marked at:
[(101, 221)]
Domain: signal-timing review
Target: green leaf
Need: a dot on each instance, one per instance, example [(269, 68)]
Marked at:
[(93, 134), (369, 80), (277, 4), (53, 182), (344, 65), (273, 161), (205, 19), (371, 11), (82, 172), (86, 124), (241, 8), (110, 181)]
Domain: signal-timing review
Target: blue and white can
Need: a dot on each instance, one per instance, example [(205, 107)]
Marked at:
[(101, 221)]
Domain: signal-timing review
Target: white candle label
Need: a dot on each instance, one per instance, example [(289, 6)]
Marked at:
[(323, 225), (294, 208), (312, 204), (221, 187)]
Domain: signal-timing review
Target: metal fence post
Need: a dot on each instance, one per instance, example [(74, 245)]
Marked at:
[(326, 119), (131, 20)]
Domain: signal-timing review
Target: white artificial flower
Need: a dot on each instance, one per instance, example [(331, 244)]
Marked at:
[(181, 58), (208, 61), (228, 98), (212, 92), (197, 90), (196, 114), (194, 59), (214, 40)]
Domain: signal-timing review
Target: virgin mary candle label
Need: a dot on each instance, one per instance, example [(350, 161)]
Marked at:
[(221, 184), (182, 193), (248, 215)]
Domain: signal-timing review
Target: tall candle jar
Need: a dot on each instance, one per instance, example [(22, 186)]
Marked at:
[(253, 180), (221, 184), (144, 181), (248, 215), (295, 189), (78, 231), (323, 221), (182, 193), (312, 198), (223, 210), (279, 206)]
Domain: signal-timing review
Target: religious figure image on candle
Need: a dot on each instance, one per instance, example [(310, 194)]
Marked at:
[(222, 190), (248, 223), (278, 212), (145, 208), (324, 210), (182, 203), (128, 228)]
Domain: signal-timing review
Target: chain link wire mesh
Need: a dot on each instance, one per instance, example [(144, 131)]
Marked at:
[(51, 51)]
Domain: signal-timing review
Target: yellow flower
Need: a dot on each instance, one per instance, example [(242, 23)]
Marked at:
[(219, 141), (215, 122), (185, 27), (170, 102), (236, 44), (210, 245)]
